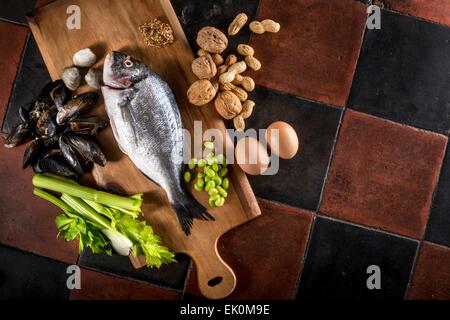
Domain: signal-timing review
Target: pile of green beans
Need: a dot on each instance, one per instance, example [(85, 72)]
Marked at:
[(212, 176)]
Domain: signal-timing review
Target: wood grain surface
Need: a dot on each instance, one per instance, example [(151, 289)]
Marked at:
[(108, 25)]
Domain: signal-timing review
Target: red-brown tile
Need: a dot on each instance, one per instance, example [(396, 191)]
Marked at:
[(314, 55), (431, 278), (265, 254), (27, 222), (383, 174), (12, 41), (433, 10), (100, 286)]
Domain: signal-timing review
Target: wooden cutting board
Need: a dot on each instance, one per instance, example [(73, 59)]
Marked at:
[(113, 25)]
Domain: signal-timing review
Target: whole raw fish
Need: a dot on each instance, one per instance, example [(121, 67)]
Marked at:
[(147, 125)]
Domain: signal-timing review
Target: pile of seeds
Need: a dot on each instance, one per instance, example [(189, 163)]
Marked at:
[(157, 33)]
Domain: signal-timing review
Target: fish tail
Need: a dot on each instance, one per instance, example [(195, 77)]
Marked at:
[(189, 210)]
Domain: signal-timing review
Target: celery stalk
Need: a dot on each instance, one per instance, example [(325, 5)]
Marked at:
[(69, 188), (51, 198)]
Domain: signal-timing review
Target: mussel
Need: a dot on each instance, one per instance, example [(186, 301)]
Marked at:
[(86, 125), (75, 106), (70, 154), (20, 134), (46, 126), (60, 94), (54, 162), (31, 153), (88, 148), (61, 143)]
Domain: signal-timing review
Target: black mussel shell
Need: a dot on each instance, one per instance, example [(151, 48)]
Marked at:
[(46, 126), (31, 153), (20, 134), (88, 148), (86, 125), (70, 155), (75, 106), (60, 94), (56, 164)]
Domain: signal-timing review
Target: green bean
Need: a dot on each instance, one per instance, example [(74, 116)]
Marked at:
[(208, 145), (213, 192), (200, 175), (187, 176), (210, 172), (201, 163), (225, 183), (219, 202), (192, 164), (215, 167), (210, 185), (198, 188), (217, 180), (200, 182), (211, 203), (207, 179), (223, 172), (222, 191)]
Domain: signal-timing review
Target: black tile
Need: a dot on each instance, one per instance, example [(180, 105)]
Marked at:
[(16, 10), (26, 276), (403, 73), (31, 78), (439, 220), (338, 257), (194, 15), (299, 180), (171, 275)]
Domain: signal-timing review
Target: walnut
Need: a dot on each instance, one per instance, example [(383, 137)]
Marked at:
[(201, 92), (212, 40), (204, 67), (228, 105)]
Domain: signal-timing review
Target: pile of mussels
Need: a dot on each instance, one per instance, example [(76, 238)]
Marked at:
[(61, 137)]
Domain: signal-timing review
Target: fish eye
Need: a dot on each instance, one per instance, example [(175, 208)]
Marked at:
[(128, 63)]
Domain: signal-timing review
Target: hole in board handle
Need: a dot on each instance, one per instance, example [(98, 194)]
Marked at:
[(215, 281)]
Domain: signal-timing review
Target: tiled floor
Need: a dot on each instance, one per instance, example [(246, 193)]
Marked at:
[(368, 189)]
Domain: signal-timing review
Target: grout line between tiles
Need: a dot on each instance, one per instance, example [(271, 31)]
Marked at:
[(305, 256), (19, 67), (413, 269), (436, 188), (14, 22), (319, 214), (330, 160)]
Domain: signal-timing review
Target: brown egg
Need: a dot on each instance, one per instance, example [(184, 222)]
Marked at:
[(286, 146), (251, 156)]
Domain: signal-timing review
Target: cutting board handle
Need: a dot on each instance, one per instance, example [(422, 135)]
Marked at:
[(216, 279)]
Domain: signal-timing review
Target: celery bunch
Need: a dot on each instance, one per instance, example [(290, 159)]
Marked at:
[(102, 221)]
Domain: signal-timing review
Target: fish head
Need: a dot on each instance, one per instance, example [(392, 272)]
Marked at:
[(121, 71)]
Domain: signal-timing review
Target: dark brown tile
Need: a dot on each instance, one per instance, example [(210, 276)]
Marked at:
[(265, 254), (27, 222), (12, 42), (100, 286), (433, 10), (41, 3), (314, 55), (431, 278), (383, 174)]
